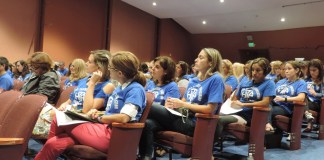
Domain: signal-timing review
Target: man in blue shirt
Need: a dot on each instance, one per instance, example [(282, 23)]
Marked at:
[(6, 81)]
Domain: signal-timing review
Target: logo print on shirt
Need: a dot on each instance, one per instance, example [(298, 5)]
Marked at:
[(285, 89)]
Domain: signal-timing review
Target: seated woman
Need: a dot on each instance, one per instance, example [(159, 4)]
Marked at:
[(78, 72), (182, 77), (203, 95), (23, 70), (125, 104), (91, 92), (44, 80), (6, 82), (229, 78), (255, 92), (163, 85), (292, 88), (315, 90)]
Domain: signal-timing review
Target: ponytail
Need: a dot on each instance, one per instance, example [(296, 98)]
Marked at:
[(140, 78)]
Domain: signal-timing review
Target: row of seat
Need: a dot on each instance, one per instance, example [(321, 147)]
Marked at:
[(18, 115)]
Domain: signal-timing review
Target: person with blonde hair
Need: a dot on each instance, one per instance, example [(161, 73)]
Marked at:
[(275, 70), (204, 95), (125, 104), (228, 76), (238, 70), (78, 72)]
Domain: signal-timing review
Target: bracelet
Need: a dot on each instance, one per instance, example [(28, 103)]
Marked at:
[(286, 99), (99, 119)]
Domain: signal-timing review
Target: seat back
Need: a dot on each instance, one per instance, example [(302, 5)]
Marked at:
[(20, 121), (18, 85), (7, 98), (149, 101), (321, 121), (64, 96), (182, 91)]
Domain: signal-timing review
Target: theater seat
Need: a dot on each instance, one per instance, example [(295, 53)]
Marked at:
[(319, 119), (253, 134), (290, 125), (199, 146), (123, 143), (17, 125)]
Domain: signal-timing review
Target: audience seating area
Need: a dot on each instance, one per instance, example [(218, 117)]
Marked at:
[(18, 115), (124, 140)]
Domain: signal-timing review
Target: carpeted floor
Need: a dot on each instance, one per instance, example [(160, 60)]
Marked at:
[(311, 149)]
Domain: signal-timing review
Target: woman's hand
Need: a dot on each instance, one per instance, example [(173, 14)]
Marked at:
[(312, 91), (173, 103), (237, 104), (96, 76), (93, 113), (62, 107), (279, 99)]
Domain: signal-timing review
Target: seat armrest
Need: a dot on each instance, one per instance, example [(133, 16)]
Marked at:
[(206, 116), (11, 141), (127, 125), (299, 103), (204, 136), (321, 121), (262, 109)]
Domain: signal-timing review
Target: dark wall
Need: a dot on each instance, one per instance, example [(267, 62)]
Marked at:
[(282, 45), (18, 28), (132, 30), (174, 41), (73, 28)]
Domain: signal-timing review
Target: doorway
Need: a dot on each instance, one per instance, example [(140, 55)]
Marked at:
[(249, 54)]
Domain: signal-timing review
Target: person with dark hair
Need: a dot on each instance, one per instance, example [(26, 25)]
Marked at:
[(315, 90), (23, 70), (6, 82), (204, 95), (257, 91), (163, 85), (44, 80), (292, 88), (144, 68), (182, 77), (61, 68), (126, 104)]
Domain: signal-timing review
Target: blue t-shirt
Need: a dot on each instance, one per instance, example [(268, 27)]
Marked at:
[(243, 79), (20, 78), (161, 93), (249, 92), (63, 72), (271, 76), (134, 93), (149, 84), (6, 82), (284, 88), (68, 83), (232, 81), (77, 96), (210, 90), (317, 88)]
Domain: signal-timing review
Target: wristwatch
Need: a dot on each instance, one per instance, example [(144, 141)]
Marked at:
[(99, 119)]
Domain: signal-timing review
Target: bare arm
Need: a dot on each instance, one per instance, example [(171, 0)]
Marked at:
[(176, 103), (263, 103), (300, 97)]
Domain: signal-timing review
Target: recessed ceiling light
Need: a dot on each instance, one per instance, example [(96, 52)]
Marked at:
[(222, 1), (282, 19), (154, 4), (204, 22)]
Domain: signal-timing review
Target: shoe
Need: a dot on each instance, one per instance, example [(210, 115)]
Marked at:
[(309, 117), (269, 129), (160, 152), (288, 138), (307, 130)]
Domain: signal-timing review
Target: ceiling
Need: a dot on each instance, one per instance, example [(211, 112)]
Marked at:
[(236, 15)]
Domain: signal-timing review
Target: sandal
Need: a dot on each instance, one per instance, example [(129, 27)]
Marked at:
[(160, 152), (269, 129)]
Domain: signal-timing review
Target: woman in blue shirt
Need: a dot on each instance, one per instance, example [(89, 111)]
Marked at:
[(315, 90), (163, 86), (203, 95), (290, 89), (229, 78), (23, 70), (126, 104), (78, 72), (258, 91)]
